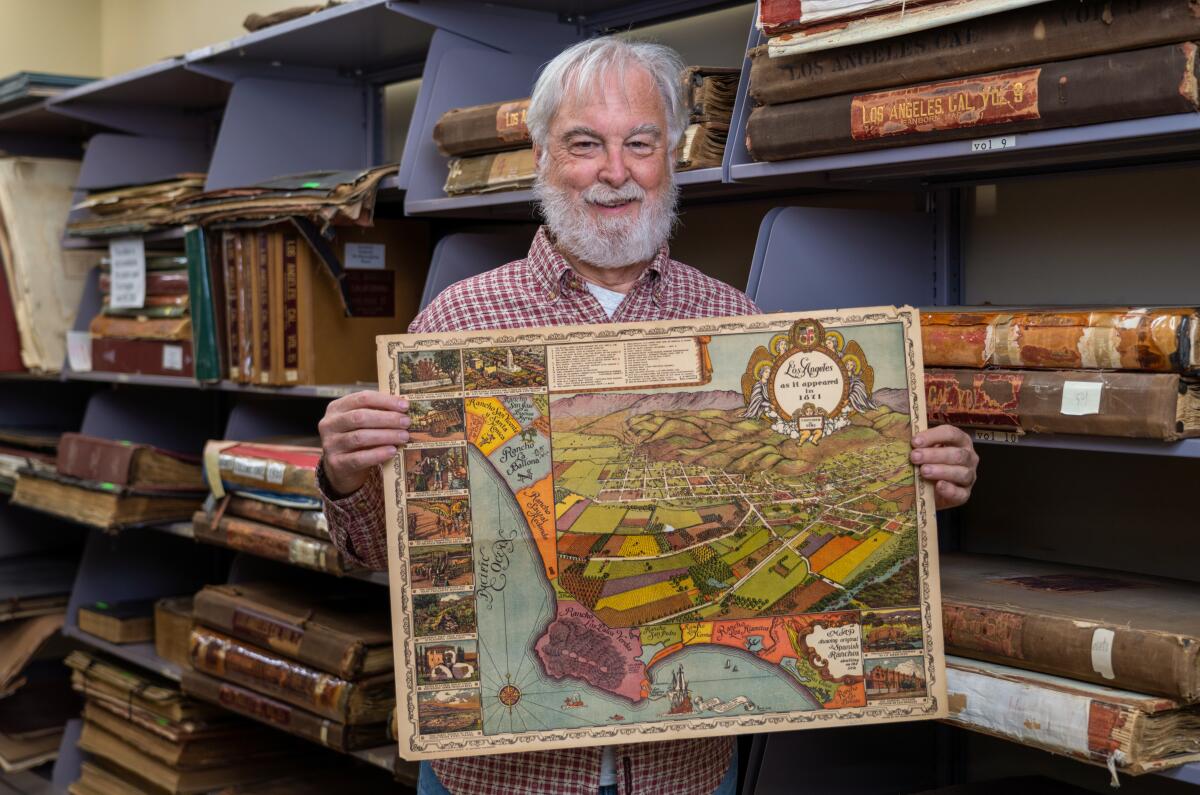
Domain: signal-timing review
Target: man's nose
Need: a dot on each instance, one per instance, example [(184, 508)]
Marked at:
[(613, 171)]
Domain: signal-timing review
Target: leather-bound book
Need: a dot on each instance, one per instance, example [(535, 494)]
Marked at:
[(475, 130), (267, 541), (103, 505), (1092, 402), (264, 469), (345, 635), (357, 703), (491, 173), (288, 718), (710, 92), (155, 306), (127, 464), (1158, 81), (703, 146), (306, 522), (134, 689), (130, 621), (35, 585), (780, 16), (1165, 340), (173, 629), (1041, 33), (1125, 731), (173, 329), (142, 357), (1122, 630)]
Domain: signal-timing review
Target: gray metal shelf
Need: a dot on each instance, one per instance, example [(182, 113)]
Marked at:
[(1185, 448), (183, 382), (140, 654)]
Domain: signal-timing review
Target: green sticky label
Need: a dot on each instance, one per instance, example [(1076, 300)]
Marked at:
[(311, 185), (108, 486), (102, 605)]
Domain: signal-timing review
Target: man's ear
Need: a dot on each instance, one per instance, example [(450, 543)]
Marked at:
[(537, 156)]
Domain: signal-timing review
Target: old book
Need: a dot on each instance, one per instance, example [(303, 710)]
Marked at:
[(26, 88), (1045, 32), (229, 240), (127, 464), (267, 541), (154, 307), (1126, 731), (279, 470), (1129, 631), (205, 339), (10, 335), (703, 146), (174, 329), (19, 641), (306, 522), (25, 751), (173, 628), (97, 677), (1092, 402), (260, 707), (1071, 338), (103, 505), (491, 173), (155, 262), (479, 129), (346, 635), (132, 209), (265, 298), (710, 92), (158, 283), (95, 778), (96, 740), (130, 621), (243, 251), (367, 700), (35, 585), (144, 357), (1128, 85), (781, 16)]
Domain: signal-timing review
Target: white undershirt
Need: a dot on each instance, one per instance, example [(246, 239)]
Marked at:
[(609, 300)]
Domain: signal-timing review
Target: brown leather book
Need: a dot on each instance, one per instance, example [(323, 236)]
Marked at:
[(1157, 81), (345, 635), (102, 505), (127, 464), (229, 242), (97, 678), (252, 704), (491, 173), (703, 146), (356, 703), (173, 629), (174, 329), (1041, 33), (711, 92), (1122, 630), (1165, 340), (142, 357), (270, 542), (479, 129), (155, 306), (1093, 402), (309, 523), (96, 778), (130, 621), (158, 283)]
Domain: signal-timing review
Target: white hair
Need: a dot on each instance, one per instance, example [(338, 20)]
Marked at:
[(583, 66)]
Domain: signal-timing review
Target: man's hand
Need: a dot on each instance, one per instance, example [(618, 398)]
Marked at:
[(360, 431), (947, 459)]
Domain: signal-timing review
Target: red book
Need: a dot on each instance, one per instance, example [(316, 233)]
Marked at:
[(10, 337)]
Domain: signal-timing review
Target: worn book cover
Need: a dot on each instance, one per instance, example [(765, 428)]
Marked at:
[(490, 173), (1123, 630), (268, 541), (479, 129), (282, 473), (125, 463), (650, 531)]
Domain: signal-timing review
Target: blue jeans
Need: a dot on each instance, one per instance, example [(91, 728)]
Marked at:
[(430, 785)]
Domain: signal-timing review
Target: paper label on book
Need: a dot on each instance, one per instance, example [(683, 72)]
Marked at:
[(275, 471), (509, 167), (172, 357), (364, 255), (510, 121), (128, 268), (1020, 710), (79, 351), (1102, 647), (1080, 398), (250, 468), (948, 105)]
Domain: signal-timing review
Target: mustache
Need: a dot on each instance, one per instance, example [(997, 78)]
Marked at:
[(599, 193)]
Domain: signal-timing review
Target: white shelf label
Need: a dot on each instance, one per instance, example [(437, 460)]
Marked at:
[(172, 357), (367, 256), (1003, 437), (79, 351), (128, 268), (1081, 398), (994, 144)]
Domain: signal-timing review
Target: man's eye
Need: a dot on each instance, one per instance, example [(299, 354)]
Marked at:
[(641, 146), (582, 147)]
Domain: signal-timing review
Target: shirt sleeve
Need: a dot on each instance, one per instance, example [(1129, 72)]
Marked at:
[(356, 522)]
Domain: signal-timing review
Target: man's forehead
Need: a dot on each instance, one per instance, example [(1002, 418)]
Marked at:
[(633, 92)]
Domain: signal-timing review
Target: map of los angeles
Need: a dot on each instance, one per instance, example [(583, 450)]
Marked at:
[(656, 530)]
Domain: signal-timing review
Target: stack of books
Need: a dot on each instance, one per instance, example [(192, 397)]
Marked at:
[(1099, 665), (1113, 371), (35, 697), (26, 88), (154, 338), (35, 585), (25, 448), (112, 484), (849, 75), (144, 736), (710, 91), (488, 146), (266, 502), (132, 210), (316, 665)]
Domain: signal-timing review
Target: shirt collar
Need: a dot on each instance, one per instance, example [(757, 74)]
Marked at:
[(554, 273)]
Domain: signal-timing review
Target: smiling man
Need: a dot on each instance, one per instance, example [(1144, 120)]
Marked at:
[(605, 118)]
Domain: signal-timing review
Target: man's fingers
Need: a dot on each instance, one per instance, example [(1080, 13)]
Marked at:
[(364, 418), (361, 459), (942, 434), (367, 399), (958, 456), (962, 476), (364, 439), (947, 495)]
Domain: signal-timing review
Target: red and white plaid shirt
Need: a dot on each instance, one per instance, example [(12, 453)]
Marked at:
[(543, 290)]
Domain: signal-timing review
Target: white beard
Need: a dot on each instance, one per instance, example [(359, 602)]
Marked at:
[(607, 242)]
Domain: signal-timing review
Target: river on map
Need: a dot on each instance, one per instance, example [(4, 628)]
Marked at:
[(511, 621)]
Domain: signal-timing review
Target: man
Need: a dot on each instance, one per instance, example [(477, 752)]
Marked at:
[(605, 118)]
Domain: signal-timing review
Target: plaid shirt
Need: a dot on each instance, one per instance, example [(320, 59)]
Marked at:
[(543, 290)]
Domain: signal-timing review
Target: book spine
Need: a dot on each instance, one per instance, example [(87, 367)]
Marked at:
[(778, 16), (142, 357), (1145, 340), (94, 458), (157, 282), (271, 542), (228, 264), (204, 325), (242, 255), (254, 319), (291, 308), (310, 523), (266, 710), (1036, 34), (264, 308), (1136, 84), (488, 173), (227, 658), (1090, 402), (482, 128), (1116, 656), (171, 329)]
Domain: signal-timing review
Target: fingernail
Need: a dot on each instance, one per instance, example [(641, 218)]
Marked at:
[(405, 421), (401, 404), (403, 436), (926, 470), (917, 456), (918, 439)]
